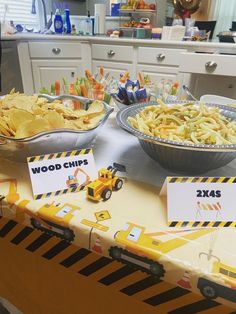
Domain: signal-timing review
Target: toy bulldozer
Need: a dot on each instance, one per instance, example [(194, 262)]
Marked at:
[(107, 181)]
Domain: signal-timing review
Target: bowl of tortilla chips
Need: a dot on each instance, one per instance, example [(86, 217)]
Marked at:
[(43, 124)]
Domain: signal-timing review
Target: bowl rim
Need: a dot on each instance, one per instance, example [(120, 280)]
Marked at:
[(6, 139), (142, 136)]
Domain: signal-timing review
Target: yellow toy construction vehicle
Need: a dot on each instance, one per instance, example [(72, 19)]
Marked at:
[(54, 219), (107, 181), (143, 250)]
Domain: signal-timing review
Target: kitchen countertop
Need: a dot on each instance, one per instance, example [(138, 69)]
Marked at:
[(152, 42)]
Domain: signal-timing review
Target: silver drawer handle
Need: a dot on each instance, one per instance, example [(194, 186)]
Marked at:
[(211, 66), (56, 51), (111, 53), (161, 57)]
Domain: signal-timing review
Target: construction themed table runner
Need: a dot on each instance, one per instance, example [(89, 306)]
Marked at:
[(130, 228)]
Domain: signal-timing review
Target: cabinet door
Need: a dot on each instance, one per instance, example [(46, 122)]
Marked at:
[(157, 73), (47, 72), (114, 68)]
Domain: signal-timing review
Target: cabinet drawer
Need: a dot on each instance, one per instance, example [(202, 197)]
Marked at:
[(208, 64), (112, 52), (114, 68), (160, 56), (157, 73), (55, 50)]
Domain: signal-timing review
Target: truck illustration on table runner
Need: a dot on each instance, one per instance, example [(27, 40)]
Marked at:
[(143, 250), (51, 218)]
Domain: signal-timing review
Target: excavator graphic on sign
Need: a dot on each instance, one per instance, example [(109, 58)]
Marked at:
[(53, 219), (143, 250), (73, 182)]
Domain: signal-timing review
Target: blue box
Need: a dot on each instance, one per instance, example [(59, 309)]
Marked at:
[(115, 9)]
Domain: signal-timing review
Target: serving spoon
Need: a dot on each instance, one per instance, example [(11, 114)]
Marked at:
[(187, 91)]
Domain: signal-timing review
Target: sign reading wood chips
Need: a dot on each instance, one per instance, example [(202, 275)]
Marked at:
[(61, 173)]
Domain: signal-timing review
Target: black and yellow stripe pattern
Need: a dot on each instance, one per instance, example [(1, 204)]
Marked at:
[(163, 296), (60, 155), (201, 180), (202, 224), (60, 192)]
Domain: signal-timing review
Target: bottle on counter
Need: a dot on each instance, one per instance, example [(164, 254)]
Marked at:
[(58, 22), (67, 21), (89, 25)]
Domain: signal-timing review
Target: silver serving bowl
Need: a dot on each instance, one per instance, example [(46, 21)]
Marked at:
[(179, 156), (57, 140)]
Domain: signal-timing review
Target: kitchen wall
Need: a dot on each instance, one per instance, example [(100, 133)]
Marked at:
[(204, 13), (81, 8), (76, 7)]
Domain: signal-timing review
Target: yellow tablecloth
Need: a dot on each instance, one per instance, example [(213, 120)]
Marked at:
[(130, 228)]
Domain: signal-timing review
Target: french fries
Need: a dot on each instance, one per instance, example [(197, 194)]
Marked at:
[(188, 123)]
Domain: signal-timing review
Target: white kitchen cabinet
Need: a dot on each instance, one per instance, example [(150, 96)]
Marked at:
[(159, 63), (210, 64), (54, 60), (160, 56), (55, 50), (112, 53), (114, 68), (45, 72), (115, 59), (157, 73)]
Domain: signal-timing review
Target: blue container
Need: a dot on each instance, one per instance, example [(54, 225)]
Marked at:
[(67, 21), (58, 23), (115, 9)]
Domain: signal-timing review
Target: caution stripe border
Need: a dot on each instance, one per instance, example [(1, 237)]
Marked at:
[(203, 224), (51, 156), (58, 193), (201, 180), (77, 257)]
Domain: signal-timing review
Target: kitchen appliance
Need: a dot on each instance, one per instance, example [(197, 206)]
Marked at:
[(10, 72), (227, 37)]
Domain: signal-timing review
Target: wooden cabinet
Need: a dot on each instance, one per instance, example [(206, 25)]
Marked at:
[(45, 72)]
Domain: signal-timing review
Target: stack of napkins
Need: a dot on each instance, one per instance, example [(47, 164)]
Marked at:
[(176, 32)]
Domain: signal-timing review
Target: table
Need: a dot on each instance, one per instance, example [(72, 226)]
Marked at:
[(121, 256)]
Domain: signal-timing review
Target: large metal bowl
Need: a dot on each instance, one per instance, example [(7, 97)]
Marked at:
[(52, 141), (179, 156)]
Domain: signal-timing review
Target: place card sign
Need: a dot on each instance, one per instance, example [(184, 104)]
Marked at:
[(61, 173), (200, 201)]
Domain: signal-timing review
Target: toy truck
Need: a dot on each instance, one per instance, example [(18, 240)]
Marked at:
[(107, 181)]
